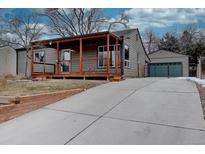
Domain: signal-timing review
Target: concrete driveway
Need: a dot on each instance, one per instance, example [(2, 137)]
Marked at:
[(134, 111)]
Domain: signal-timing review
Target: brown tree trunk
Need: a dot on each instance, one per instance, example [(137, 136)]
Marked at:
[(26, 67)]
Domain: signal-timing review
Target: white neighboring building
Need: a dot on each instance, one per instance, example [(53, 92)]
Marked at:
[(7, 60)]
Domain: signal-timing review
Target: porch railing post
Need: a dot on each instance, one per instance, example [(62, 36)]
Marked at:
[(108, 54), (81, 56), (58, 59), (44, 68)]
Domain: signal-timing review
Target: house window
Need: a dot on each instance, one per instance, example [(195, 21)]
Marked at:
[(112, 56), (102, 56), (127, 56), (40, 56)]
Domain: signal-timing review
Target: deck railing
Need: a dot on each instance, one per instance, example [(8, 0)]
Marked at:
[(90, 65), (44, 68)]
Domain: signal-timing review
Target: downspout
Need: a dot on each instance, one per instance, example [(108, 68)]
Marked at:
[(138, 64), (17, 59)]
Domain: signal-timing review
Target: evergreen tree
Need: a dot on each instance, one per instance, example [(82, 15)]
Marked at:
[(169, 42)]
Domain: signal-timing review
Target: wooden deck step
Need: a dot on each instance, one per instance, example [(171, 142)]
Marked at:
[(117, 78)]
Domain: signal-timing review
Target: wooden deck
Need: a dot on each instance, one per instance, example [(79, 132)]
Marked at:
[(80, 44), (105, 76)]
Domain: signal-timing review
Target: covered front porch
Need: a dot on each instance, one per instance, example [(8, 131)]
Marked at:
[(96, 55)]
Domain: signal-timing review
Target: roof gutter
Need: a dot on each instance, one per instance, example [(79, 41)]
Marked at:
[(143, 45)]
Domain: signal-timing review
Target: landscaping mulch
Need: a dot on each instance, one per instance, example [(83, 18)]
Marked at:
[(33, 102)]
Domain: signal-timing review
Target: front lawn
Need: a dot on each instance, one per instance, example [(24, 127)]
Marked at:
[(50, 92), (23, 87)]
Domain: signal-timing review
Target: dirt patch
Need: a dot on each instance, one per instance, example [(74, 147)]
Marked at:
[(33, 102), (202, 97)]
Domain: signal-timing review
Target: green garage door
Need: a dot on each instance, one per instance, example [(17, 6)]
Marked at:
[(165, 70)]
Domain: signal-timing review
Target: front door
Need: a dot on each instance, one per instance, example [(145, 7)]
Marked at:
[(66, 61)]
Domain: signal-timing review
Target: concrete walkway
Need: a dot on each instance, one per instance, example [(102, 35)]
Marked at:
[(134, 111)]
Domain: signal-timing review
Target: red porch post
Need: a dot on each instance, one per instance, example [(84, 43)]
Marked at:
[(58, 58), (108, 54), (81, 56), (116, 57)]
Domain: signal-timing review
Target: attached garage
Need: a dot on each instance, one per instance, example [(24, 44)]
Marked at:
[(168, 64)]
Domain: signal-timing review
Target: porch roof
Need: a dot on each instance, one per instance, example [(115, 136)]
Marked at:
[(77, 37)]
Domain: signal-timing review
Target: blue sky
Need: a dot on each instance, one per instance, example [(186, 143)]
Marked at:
[(163, 20), (114, 11), (157, 20)]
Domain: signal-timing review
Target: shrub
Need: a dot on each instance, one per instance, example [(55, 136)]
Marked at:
[(9, 77), (3, 82)]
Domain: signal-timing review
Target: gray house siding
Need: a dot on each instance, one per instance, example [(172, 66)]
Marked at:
[(21, 63), (137, 53), (89, 61), (50, 56), (131, 38), (170, 57), (75, 65)]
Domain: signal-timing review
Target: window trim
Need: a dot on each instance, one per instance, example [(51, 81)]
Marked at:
[(39, 51), (104, 66), (127, 61), (98, 55)]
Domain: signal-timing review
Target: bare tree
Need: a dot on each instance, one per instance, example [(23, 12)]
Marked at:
[(122, 20), (78, 21), (20, 31), (151, 41)]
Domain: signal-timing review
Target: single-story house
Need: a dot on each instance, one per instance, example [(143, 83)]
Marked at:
[(7, 60), (112, 55), (168, 64)]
